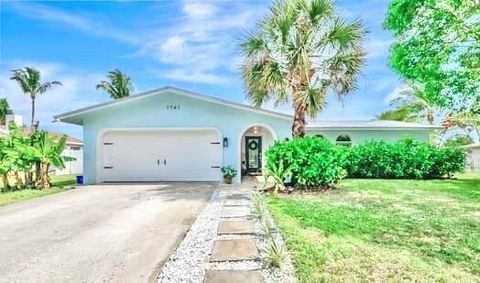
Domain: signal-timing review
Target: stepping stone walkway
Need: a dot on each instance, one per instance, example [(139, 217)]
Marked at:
[(236, 242), (235, 227), (229, 276)]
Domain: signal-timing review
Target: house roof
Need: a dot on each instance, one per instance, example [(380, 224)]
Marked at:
[(473, 145), (69, 117), (76, 116), (370, 124), (56, 136)]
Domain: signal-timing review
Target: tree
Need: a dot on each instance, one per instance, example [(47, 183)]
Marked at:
[(117, 85), (457, 140), (47, 152), (4, 110), (437, 44), (412, 105), (302, 51), (30, 82)]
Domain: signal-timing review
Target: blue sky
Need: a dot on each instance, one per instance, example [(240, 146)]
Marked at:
[(188, 44)]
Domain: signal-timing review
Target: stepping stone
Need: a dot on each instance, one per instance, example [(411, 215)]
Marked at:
[(233, 276), (235, 211), (237, 202), (238, 196), (235, 227), (234, 250)]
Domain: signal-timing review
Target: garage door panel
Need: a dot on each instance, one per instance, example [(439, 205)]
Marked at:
[(165, 155)]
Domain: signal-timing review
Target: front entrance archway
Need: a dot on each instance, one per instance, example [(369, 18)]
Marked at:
[(253, 144)]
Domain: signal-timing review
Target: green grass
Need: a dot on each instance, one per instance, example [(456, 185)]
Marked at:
[(58, 182), (385, 230)]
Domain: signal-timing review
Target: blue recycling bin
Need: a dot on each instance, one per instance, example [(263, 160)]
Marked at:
[(80, 180)]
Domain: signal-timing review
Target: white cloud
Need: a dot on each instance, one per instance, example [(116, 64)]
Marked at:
[(74, 94), (202, 42), (194, 77), (173, 48), (199, 10)]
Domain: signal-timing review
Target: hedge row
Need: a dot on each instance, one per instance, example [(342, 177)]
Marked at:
[(316, 162)]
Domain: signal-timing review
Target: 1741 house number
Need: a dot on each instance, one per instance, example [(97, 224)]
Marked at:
[(173, 107)]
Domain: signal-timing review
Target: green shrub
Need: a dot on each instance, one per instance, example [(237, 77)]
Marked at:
[(404, 159), (313, 162)]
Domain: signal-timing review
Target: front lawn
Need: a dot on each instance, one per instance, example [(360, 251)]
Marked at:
[(385, 230), (58, 182)]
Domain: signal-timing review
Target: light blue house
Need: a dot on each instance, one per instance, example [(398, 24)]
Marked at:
[(171, 134)]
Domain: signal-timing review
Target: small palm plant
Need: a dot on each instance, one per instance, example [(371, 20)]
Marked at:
[(278, 173), (117, 85)]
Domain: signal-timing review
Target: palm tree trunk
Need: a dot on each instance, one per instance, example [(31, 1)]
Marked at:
[(32, 125), (298, 128), (42, 180), (5, 184)]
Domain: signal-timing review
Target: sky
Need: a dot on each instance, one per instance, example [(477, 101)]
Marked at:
[(190, 44)]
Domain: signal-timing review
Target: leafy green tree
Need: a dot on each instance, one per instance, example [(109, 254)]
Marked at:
[(412, 105), (458, 140), (47, 152), (437, 44), (4, 110), (117, 85), (29, 80), (300, 52)]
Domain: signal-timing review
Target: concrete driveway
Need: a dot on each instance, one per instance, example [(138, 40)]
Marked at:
[(120, 233)]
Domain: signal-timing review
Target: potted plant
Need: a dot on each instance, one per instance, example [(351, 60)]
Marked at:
[(228, 173)]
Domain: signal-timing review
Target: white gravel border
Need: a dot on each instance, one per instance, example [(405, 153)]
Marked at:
[(187, 264)]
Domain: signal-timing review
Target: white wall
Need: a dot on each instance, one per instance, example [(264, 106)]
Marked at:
[(72, 167), (473, 160)]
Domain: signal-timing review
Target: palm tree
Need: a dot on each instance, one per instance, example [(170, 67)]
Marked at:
[(117, 85), (4, 110), (302, 51), (30, 82), (412, 105)]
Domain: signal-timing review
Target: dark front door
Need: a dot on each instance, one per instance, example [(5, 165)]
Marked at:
[(253, 152)]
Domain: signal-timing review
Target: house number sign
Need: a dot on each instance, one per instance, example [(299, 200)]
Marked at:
[(173, 107)]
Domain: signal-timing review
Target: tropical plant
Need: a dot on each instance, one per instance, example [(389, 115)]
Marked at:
[(437, 44), (117, 85), (29, 80), (278, 172), (412, 105), (47, 152), (4, 110), (259, 203), (313, 162), (404, 159), (301, 51), (457, 140)]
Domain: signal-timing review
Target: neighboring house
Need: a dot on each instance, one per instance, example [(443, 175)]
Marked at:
[(170, 134), (473, 157), (74, 146)]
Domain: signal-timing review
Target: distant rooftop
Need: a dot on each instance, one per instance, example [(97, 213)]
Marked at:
[(366, 124)]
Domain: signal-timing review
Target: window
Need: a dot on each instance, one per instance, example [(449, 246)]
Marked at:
[(344, 140)]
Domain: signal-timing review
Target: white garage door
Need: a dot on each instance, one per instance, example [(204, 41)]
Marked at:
[(161, 155)]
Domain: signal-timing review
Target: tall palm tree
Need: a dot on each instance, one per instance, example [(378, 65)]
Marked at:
[(412, 105), (302, 51), (29, 80), (117, 85)]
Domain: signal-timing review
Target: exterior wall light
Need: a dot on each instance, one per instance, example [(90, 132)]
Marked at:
[(225, 142)]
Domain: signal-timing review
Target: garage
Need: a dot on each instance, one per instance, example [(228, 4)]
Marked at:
[(161, 155)]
